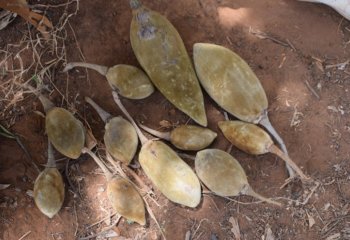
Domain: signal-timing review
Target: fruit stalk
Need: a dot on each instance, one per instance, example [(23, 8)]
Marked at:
[(265, 122)]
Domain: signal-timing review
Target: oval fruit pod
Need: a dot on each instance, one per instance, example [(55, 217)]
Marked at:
[(129, 81), (161, 53), (121, 139), (170, 174), (186, 137), (120, 136), (49, 191), (65, 132), (247, 137), (122, 195), (229, 80), (223, 175), (190, 137), (125, 199), (254, 140), (220, 172)]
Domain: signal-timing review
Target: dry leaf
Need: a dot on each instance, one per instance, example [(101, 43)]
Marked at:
[(335, 236), (111, 234), (319, 66), (165, 124), (268, 233), (188, 235), (311, 220), (235, 228), (21, 7), (4, 186), (6, 17), (30, 193)]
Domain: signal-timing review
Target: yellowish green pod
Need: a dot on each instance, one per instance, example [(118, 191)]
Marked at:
[(229, 80), (129, 81), (49, 191), (65, 132), (49, 188), (246, 136), (120, 136), (170, 174), (125, 199), (122, 195), (161, 53), (121, 139), (254, 140), (186, 137), (223, 174)]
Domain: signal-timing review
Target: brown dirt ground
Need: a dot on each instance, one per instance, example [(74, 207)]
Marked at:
[(317, 136)]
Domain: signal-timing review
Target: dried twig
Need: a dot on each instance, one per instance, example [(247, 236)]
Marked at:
[(263, 35), (340, 66), (25, 235), (312, 90), (235, 228), (102, 232)]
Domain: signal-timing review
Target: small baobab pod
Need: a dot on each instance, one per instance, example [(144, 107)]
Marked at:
[(186, 137), (223, 175), (120, 136), (49, 187), (65, 132), (122, 194), (129, 81), (254, 140)]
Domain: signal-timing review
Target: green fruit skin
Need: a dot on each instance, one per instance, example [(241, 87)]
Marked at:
[(49, 191), (220, 172), (161, 53), (129, 81), (229, 81), (246, 136), (170, 174), (65, 132), (192, 138), (125, 199), (121, 139)]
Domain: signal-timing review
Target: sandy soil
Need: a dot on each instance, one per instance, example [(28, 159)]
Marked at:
[(304, 42)]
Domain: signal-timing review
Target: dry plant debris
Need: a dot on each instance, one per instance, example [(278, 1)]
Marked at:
[(17, 69), (4, 186), (21, 8), (6, 17), (235, 228), (268, 234)]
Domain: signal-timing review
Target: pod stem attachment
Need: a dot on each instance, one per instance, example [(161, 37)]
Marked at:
[(275, 150), (247, 190), (98, 68), (99, 162), (105, 116), (162, 135), (51, 163), (135, 4), (142, 137), (265, 122)]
